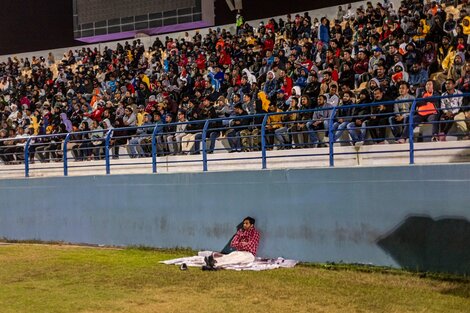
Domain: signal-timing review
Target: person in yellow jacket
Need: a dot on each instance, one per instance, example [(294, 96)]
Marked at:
[(145, 79), (445, 53), (140, 115), (264, 100), (466, 25), (34, 125), (423, 30), (274, 122)]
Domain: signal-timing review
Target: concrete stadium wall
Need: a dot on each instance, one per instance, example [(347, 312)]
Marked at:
[(415, 217)]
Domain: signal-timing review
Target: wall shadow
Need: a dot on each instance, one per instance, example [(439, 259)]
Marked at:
[(421, 243)]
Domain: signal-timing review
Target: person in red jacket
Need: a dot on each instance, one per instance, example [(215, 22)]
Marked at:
[(201, 61), (361, 66), (225, 58)]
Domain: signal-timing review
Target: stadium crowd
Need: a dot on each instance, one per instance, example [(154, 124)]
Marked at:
[(372, 54)]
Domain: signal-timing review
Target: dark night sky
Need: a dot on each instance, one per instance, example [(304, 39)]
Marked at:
[(256, 9), (32, 25)]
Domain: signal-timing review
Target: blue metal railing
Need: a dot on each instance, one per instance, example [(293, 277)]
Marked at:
[(202, 128)]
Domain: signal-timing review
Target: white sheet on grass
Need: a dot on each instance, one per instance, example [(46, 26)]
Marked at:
[(260, 264)]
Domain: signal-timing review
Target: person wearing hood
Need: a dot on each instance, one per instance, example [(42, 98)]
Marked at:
[(67, 123), (456, 68), (249, 75), (67, 126), (420, 37), (285, 83), (429, 57), (466, 25), (213, 81), (399, 75), (270, 86), (265, 102), (301, 80), (445, 53), (296, 92)]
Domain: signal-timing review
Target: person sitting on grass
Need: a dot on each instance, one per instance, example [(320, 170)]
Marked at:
[(244, 245)]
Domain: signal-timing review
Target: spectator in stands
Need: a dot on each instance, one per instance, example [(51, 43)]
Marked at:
[(80, 142), (450, 107), (380, 117), (313, 58), (192, 130), (94, 147), (176, 141), (135, 147), (319, 122), (426, 112), (401, 111), (237, 125), (342, 115)]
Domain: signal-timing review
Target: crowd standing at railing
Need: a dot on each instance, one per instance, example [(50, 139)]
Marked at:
[(373, 54)]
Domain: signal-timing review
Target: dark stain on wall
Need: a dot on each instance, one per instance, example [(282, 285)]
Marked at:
[(421, 243)]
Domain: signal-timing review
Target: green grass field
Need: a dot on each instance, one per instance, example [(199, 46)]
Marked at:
[(60, 278)]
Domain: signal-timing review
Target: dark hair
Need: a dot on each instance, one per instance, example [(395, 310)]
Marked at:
[(250, 219), (404, 83)]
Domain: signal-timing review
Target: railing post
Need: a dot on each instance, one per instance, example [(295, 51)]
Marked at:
[(106, 151), (26, 157), (411, 132), (204, 146), (263, 142), (330, 137), (154, 149), (64, 156)]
